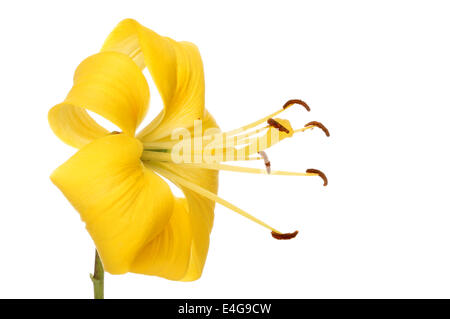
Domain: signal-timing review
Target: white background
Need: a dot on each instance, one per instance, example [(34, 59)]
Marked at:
[(377, 73)]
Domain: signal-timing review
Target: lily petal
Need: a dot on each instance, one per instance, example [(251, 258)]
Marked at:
[(176, 68), (109, 84), (202, 212), (168, 254), (124, 205), (200, 209)]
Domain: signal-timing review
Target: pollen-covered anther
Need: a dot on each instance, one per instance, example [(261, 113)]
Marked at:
[(284, 236), (277, 125), (319, 125), (296, 101), (319, 173), (266, 161)]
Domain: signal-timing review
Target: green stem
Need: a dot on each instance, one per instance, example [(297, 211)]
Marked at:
[(98, 277)]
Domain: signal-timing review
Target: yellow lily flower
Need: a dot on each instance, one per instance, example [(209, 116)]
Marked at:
[(114, 181)]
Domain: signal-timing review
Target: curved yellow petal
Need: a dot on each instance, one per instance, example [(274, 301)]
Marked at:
[(176, 68), (73, 125), (124, 205), (200, 210), (168, 254), (109, 84)]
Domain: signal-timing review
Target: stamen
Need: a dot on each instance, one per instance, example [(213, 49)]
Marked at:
[(159, 145), (114, 132), (285, 106), (296, 101), (284, 236), (241, 169), (165, 156), (266, 161), (304, 129), (277, 125), (320, 173), (251, 133), (319, 125), (246, 138), (206, 193)]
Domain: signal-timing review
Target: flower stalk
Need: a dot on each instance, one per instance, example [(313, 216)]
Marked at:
[(98, 278)]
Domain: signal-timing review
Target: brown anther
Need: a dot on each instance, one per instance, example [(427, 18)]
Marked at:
[(114, 133), (285, 236), (319, 125), (296, 101), (320, 173), (266, 160), (277, 125)]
